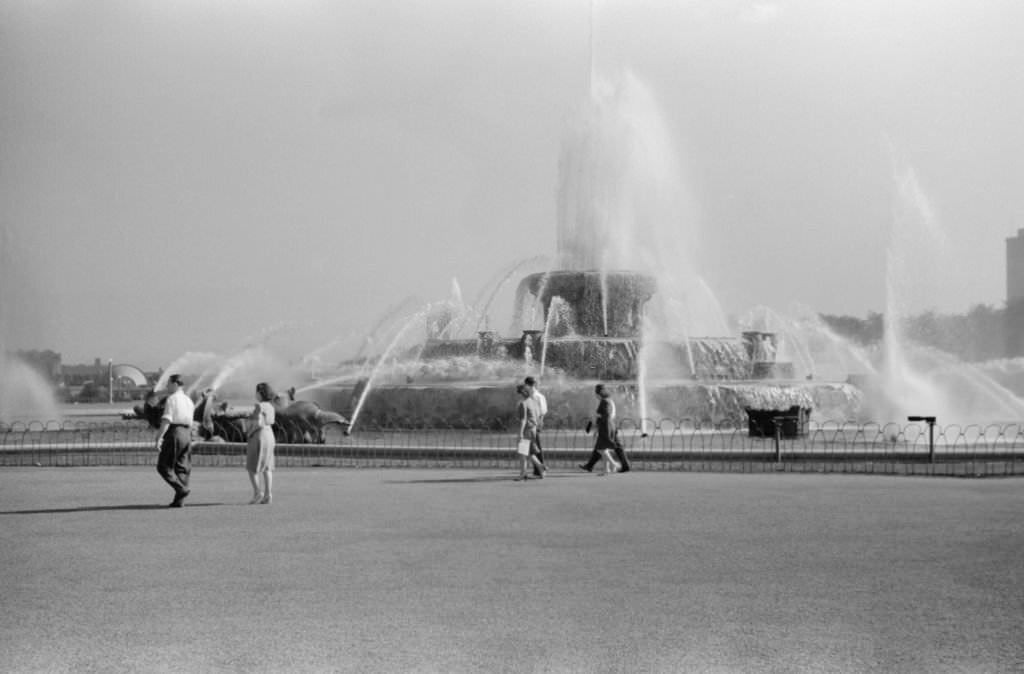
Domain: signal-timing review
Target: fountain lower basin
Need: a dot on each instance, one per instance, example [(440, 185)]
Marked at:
[(489, 404)]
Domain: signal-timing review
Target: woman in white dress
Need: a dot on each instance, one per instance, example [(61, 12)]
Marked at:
[(529, 418), (259, 457)]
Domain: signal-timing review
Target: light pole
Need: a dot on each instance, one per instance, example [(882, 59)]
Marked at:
[(110, 380), (931, 434)]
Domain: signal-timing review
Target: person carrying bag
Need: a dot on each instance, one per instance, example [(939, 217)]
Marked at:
[(526, 443)]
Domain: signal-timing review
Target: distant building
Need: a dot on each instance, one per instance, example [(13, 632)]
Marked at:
[(92, 382), (77, 375), (1015, 295), (88, 383), (98, 382)]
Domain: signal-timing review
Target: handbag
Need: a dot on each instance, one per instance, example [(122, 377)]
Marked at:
[(523, 447)]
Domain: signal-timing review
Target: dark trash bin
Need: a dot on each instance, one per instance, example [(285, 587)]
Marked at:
[(792, 422)]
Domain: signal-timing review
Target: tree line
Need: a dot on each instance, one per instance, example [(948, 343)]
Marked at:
[(975, 336)]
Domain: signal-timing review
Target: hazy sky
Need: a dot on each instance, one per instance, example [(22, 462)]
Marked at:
[(180, 176)]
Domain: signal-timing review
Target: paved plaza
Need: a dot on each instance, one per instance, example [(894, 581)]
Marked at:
[(396, 570)]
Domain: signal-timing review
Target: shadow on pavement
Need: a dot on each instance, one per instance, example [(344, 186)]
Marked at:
[(84, 509), (448, 480), (510, 477)]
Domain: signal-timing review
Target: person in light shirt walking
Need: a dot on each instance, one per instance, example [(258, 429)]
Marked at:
[(174, 440), (542, 409)]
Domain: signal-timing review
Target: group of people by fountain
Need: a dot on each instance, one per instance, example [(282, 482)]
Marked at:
[(531, 409), (174, 438)]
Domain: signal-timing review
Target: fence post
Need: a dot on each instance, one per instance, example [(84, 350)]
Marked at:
[(776, 425), (930, 420), (931, 440)]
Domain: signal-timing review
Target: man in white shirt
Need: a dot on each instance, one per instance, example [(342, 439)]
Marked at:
[(542, 405), (174, 440)]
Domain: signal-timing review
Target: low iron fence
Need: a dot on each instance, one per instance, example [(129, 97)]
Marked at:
[(911, 448)]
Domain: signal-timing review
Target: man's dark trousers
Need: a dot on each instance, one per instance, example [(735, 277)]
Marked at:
[(620, 454), (175, 461), (540, 452)]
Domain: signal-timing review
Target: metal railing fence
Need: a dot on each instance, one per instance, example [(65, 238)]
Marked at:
[(977, 449)]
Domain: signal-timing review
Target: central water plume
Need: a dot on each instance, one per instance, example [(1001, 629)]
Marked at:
[(624, 204)]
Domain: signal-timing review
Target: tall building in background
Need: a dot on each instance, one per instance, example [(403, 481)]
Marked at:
[(1015, 295)]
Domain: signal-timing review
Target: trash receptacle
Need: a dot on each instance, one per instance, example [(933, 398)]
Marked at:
[(792, 422)]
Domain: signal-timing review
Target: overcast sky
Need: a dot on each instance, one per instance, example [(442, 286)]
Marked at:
[(179, 176)]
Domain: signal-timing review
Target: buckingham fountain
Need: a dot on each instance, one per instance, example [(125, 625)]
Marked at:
[(621, 302)]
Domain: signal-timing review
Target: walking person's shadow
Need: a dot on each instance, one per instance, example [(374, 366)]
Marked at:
[(85, 509)]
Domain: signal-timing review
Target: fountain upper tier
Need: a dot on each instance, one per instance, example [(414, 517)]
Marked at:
[(603, 304)]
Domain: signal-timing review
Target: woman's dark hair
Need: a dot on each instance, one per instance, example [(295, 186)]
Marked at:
[(521, 390), (602, 391), (264, 391)]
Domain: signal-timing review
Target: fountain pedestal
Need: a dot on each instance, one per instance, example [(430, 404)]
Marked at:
[(602, 304)]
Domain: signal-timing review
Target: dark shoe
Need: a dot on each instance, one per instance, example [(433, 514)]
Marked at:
[(179, 498), (624, 469), (585, 467)]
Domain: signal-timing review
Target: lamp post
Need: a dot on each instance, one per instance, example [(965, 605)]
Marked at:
[(930, 420), (110, 380)]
